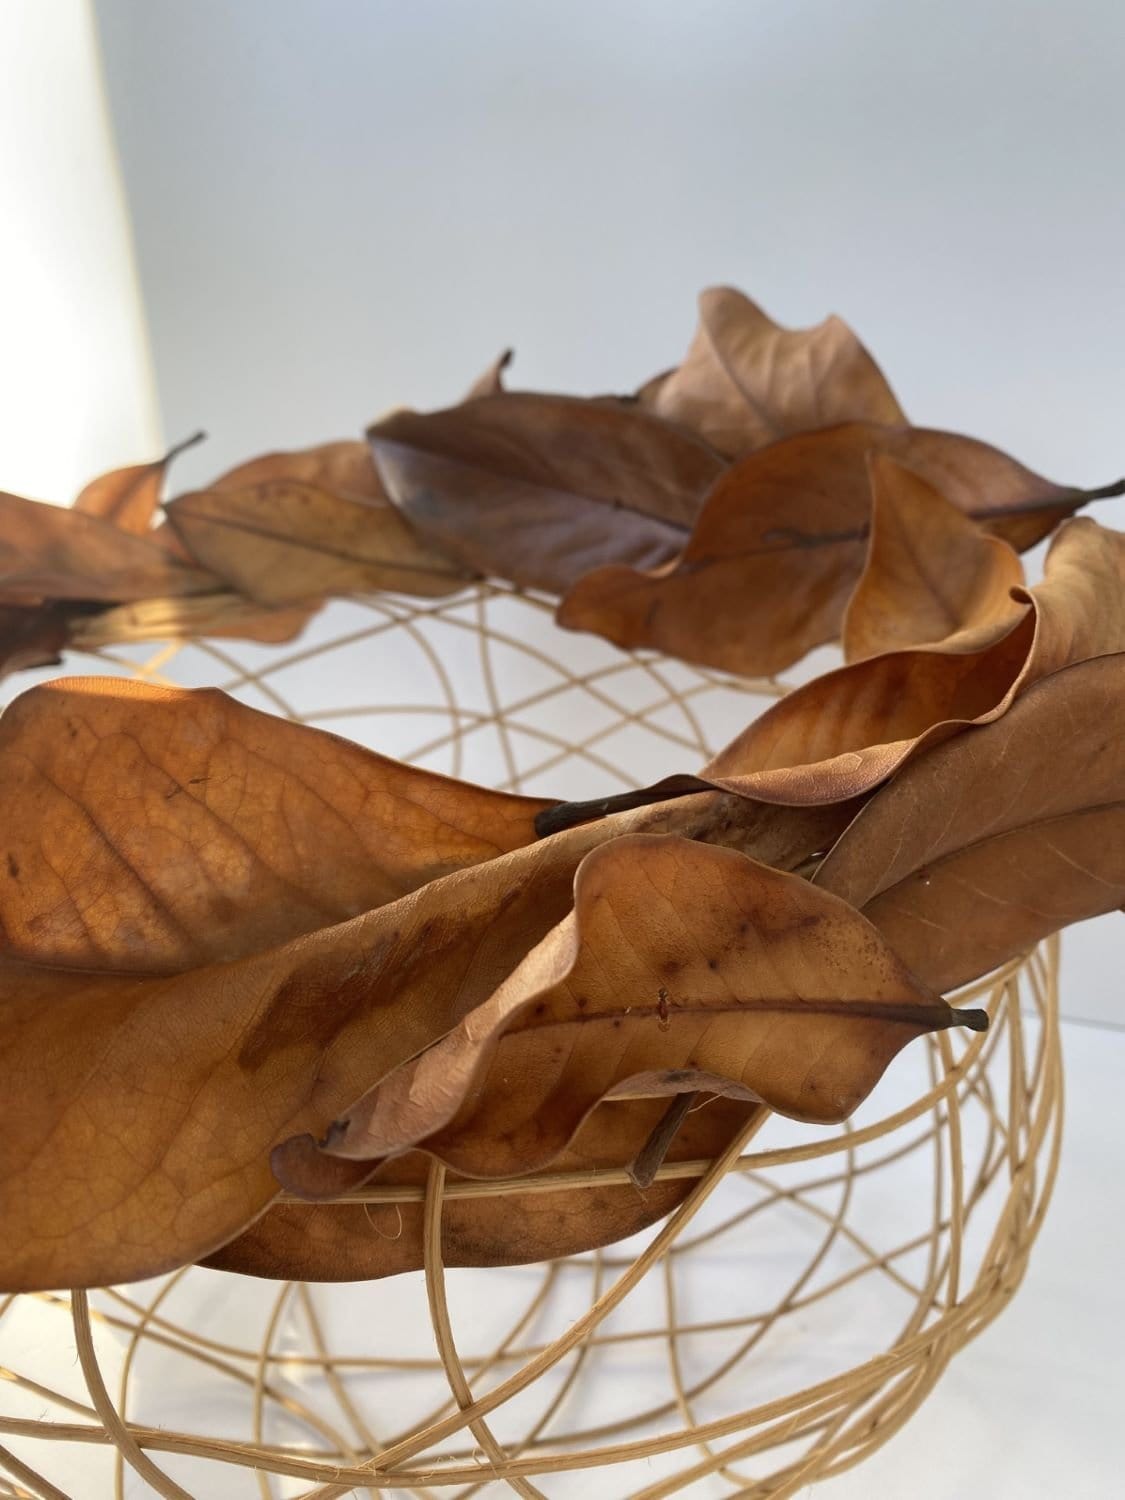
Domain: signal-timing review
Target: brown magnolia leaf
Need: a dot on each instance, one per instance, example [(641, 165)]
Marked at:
[(344, 467), (151, 828), (833, 740), (491, 381), (932, 576), (284, 541), (224, 615), (683, 967), (841, 734), (352, 1241), (781, 541), (130, 497), (985, 845), (746, 381), (48, 553), (146, 1144), (540, 489)]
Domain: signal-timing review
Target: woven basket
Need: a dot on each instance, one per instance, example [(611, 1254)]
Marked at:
[(785, 1321)]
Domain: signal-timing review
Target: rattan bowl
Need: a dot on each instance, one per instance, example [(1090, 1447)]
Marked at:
[(785, 1321)]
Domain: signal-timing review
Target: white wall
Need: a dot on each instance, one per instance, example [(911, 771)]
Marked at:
[(76, 385), (344, 206)]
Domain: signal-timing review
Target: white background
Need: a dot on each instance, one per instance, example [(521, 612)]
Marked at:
[(340, 207)]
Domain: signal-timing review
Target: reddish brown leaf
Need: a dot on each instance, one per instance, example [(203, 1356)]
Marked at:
[(932, 576), (683, 967), (539, 489), (781, 541), (746, 381), (985, 845), (843, 733), (146, 1142), (155, 829), (350, 1241)]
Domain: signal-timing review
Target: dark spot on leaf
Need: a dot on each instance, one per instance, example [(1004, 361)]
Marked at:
[(13, 867)]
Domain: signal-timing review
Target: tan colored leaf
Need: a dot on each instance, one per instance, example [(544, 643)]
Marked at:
[(985, 845), (684, 967), (352, 1241), (932, 576), (344, 467), (155, 829), (222, 615), (130, 497), (146, 1144), (781, 541), (540, 489), (283, 541), (746, 381), (54, 554)]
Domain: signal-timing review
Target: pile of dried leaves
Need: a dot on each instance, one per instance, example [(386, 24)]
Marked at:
[(239, 955)]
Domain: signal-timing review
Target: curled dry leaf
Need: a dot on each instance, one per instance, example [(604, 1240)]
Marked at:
[(350, 1241), (990, 842), (683, 967), (47, 553), (844, 733), (146, 1144), (151, 828), (747, 382), (932, 576), (781, 542), (540, 489), (130, 497)]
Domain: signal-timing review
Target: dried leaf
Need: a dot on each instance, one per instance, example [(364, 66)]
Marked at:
[(146, 1144), (283, 541), (150, 828), (932, 576), (683, 967), (840, 735), (54, 554), (223, 615), (350, 1241), (130, 497), (843, 733), (343, 467), (781, 542), (539, 489), (746, 381), (985, 845)]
